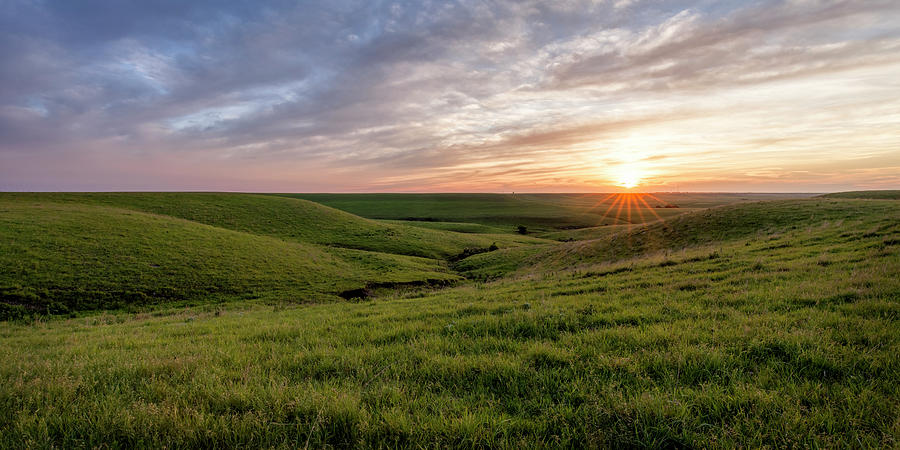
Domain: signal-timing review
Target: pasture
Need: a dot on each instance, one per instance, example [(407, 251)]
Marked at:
[(537, 212), (216, 320)]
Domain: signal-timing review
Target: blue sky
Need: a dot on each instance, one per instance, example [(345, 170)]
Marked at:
[(339, 96)]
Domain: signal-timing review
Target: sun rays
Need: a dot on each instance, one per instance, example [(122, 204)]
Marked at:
[(627, 207)]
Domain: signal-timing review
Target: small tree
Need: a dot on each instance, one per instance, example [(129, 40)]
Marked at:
[(522, 230)]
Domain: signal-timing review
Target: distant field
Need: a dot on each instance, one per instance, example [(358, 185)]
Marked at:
[(751, 324), (878, 195), (537, 212), (583, 234)]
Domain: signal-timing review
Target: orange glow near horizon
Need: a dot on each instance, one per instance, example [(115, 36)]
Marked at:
[(629, 182), (629, 177)]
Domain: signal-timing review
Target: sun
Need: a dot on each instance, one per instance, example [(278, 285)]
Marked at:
[(629, 179)]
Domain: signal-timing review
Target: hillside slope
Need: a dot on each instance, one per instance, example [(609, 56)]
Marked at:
[(704, 227), (873, 195), (782, 333), (59, 257), (285, 218), (537, 212)]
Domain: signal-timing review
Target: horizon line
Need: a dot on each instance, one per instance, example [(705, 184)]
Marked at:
[(138, 191)]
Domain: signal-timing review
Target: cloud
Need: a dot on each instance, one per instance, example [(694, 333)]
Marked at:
[(440, 95)]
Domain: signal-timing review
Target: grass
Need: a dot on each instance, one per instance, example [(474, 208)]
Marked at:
[(539, 213), (770, 324), (691, 229), (69, 252), (585, 234), (459, 227), (62, 258), (283, 218), (877, 195)]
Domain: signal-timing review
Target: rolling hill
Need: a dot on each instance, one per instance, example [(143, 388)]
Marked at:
[(764, 325), (65, 257), (540, 213), (874, 195), (68, 252), (287, 219), (705, 227)]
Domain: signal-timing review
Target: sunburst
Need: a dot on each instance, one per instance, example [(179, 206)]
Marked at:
[(629, 178)]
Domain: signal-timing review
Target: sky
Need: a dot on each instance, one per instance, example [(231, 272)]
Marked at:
[(449, 96)]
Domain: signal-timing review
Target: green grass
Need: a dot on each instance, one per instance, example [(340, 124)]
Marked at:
[(878, 195), (283, 218), (771, 324), (537, 212), (62, 258), (459, 227), (691, 229), (65, 253), (585, 234)]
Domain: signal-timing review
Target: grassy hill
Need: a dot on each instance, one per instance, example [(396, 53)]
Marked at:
[(537, 212), (878, 195), (765, 324), (703, 227), (585, 234), (459, 227), (287, 219), (62, 257)]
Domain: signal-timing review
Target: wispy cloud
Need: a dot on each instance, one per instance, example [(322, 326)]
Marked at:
[(347, 95)]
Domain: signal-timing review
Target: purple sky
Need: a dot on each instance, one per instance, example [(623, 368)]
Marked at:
[(338, 96)]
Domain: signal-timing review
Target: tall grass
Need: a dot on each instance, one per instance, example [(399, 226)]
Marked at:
[(783, 337)]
